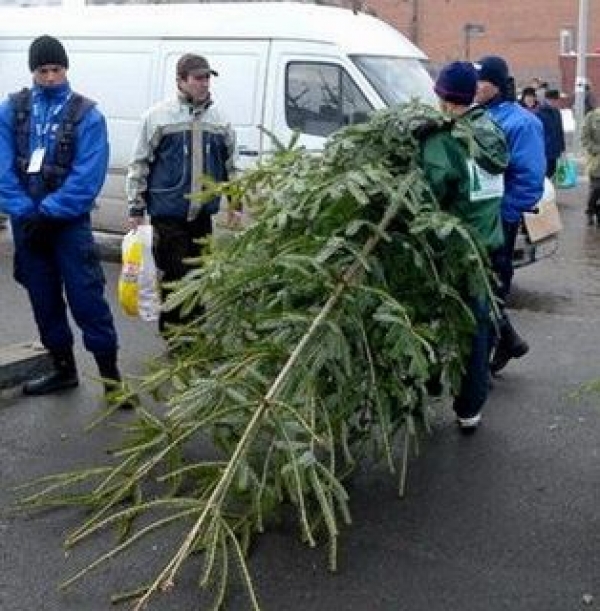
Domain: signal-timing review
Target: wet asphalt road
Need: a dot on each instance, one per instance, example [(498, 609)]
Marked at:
[(506, 520)]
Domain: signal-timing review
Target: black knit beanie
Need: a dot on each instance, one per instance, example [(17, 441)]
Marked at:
[(494, 70), (47, 50)]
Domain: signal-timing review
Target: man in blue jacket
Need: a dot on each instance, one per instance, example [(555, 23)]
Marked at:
[(523, 184), (53, 161)]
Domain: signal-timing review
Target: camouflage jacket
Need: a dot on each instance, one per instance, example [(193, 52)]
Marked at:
[(590, 140)]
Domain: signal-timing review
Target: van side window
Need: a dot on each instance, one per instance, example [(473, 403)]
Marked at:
[(320, 98)]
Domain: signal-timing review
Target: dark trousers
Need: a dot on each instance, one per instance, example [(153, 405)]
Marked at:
[(502, 259), (551, 167), (502, 265), (174, 242), (593, 197), (67, 272), (474, 385)]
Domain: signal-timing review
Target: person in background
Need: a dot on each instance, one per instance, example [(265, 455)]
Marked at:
[(464, 167), (554, 135), (590, 140), (535, 82), (180, 140), (528, 99), (523, 186), (540, 90), (53, 162), (589, 99)]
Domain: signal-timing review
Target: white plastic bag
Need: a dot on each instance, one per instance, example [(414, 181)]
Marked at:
[(138, 287)]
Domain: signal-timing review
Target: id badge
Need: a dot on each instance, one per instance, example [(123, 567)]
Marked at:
[(35, 162)]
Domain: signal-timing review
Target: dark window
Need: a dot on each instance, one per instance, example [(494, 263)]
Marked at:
[(321, 98)]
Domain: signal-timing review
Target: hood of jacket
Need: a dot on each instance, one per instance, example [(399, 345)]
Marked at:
[(484, 139)]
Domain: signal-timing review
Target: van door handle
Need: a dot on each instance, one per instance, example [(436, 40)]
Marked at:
[(247, 153)]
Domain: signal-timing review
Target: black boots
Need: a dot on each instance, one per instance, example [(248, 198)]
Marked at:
[(510, 346), (592, 215), (109, 372), (64, 375), (111, 377)]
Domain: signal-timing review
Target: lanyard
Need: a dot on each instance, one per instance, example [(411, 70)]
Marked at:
[(43, 125)]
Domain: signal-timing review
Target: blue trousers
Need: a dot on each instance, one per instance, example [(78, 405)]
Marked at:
[(502, 264), (502, 259), (474, 386), (68, 272)]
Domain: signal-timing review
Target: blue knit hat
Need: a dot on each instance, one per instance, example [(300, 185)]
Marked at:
[(457, 83), (493, 69)]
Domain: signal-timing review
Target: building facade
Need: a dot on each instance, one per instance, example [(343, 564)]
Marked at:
[(530, 34)]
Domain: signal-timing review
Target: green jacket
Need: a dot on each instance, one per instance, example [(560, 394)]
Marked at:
[(590, 139), (464, 167)]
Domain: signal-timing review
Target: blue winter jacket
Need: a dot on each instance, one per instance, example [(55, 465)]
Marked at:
[(524, 176), (76, 196)]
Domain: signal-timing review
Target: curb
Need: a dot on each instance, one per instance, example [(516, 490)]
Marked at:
[(22, 362)]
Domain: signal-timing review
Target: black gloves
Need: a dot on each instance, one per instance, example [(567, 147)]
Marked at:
[(423, 130), (40, 233), (423, 127)]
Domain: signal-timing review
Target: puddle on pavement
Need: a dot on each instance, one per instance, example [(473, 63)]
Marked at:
[(567, 282), (523, 299)]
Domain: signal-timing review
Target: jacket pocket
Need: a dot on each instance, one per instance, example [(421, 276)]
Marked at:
[(170, 169)]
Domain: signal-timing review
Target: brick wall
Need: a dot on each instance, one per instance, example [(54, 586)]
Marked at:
[(525, 32)]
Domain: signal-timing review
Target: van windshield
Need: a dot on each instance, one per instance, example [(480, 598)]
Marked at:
[(396, 79)]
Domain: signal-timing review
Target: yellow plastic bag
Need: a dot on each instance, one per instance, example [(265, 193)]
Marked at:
[(137, 289), (131, 253)]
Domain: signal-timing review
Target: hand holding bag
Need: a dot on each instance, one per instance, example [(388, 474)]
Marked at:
[(138, 289), (544, 222)]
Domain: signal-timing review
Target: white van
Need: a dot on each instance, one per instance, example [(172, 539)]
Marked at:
[(284, 66)]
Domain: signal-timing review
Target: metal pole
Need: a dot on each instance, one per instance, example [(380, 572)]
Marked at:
[(580, 79), (414, 22), (470, 31)]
